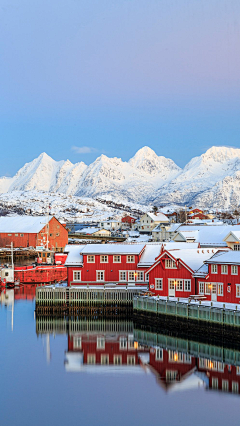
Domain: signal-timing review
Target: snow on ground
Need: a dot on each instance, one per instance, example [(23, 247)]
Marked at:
[(66, 208)]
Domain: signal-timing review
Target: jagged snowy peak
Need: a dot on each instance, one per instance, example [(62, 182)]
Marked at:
[(149, 162)]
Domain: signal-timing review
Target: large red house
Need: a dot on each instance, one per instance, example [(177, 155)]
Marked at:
[(30, 231)]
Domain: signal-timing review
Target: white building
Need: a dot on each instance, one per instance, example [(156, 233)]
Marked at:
[(150, 220)]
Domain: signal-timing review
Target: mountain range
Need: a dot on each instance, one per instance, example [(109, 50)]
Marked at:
[(211, 180)]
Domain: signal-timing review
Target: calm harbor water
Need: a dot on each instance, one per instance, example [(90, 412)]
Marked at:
[(72, 372)]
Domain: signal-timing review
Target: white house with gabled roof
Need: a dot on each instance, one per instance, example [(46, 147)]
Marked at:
[(233, 240), (150, 220)]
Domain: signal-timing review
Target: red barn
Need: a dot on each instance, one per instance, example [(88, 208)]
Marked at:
[(98, 264), (29, 231)]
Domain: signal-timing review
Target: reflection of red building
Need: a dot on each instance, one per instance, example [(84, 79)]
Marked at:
[(25, 292), (221, 376)]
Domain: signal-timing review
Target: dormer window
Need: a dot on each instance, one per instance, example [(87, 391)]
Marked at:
[(170, 264)]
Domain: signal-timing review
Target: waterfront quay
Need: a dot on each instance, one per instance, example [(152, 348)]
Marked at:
[(103, 300)]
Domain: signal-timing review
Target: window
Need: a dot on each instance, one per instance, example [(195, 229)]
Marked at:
[(91, 259), (100, 275), (131, 276), (100, 342), (159, 354), (117, 359), (130, 259), (220, 289), (174, 356), (214, 269), (187, 285), (91, 359), (104, 359), (235, 387), (57, 235), (221, 366), (122, 275), (171, 375), (187, 359), (122, 343), (16, 235), (158, 283), (116, 259), (236, 247), (21, 235), (201, 288), (238, 370), (225, 385), (131, 360), (234, 270), (170, 264), (9, 235), (237, 290), (51, 235), (179, 285), (104, 259), (140, 276), (224, 269), (207, 288), (215, 383), (76, 275), (77, 342)]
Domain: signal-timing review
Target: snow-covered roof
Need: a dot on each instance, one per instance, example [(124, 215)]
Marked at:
[(158, 217), (113, 248), (235, 234), (194, 258), (21, 224), (74, 255), (90, 230), (149, 255), (207, 234), (202, 271), (226, 257)]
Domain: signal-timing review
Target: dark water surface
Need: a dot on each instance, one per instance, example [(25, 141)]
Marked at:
[(46, 377)]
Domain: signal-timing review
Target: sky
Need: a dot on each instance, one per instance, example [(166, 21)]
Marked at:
[(79, 78)]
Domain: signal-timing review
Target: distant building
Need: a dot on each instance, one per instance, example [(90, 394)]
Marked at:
[(29, 231), (150, 220), (111, 225), (128, 220)]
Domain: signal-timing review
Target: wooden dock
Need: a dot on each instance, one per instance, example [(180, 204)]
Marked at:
[(186, 311), (98, 301)]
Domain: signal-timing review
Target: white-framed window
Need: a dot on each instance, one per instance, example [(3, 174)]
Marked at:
[(9, 235), (224, 269), (214, 383), (179, 285), (238, 370), (174, 356), (123, 343), (234, 270), (187, 285), (237, 290), (91, 358), (122, 275), (207, 288), (236, 247), (100, 342), (77, 342), (187, 359), (117, 359), (16, 235), (140, 276), (158, 354), (130, 342), (221, 367), (234, 387), (90, 258), (170, 264), (22, 235), (220, 289), (214, 269), (104, 359), (116, 258), (131, 360), (131, 276), (100, 275), (225, 385), (171, 375), (201, 288), (130, 258), (103, 258), (158, 283), (76, 275)]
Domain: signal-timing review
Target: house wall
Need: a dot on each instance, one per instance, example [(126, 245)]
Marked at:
[(172, 361), (18, 239), (111, 270), (57, 235), (179, 273), (230, 373)]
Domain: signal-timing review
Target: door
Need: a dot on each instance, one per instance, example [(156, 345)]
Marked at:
[(214, 292), (171, 288)]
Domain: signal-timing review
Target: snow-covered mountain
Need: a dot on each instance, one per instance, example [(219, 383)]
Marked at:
[(211, 180)]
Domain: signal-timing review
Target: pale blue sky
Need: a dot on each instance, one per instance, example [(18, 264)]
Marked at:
[(115, 75)]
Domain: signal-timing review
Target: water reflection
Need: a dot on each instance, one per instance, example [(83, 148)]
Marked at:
[(103, 346)]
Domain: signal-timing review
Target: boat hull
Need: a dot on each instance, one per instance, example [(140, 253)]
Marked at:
[(40, 274)]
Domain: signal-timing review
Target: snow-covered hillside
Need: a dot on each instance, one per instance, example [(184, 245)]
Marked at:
[(211, 180)]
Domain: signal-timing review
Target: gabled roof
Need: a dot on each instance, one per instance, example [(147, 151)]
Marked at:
[(23, 224), (158, 217), (225, 257), (74, 255), (207, 234), (152, 251), (234, 234), (113, 249)]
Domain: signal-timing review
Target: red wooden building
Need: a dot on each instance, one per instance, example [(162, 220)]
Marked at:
[(219, 278), (29, 231), (128, 219), (98, 264)]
